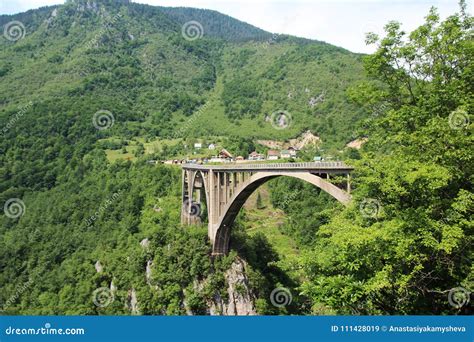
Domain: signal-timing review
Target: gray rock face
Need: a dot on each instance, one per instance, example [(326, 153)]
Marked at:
[(132, 302), (145, 243), (241, 299), (149, 265), (98, 267)]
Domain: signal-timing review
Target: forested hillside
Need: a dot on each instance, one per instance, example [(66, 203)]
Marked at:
[(86, 77), (405, 244), (136, 60)]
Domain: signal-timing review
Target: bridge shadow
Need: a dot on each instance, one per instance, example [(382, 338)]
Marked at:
[(265, 275)]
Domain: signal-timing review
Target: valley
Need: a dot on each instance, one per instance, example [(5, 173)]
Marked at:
[(102, 101)]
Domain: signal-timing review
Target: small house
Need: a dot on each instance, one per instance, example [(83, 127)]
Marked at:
[(224, 154), (256, 156), (197, 146), (273, 155), (285, 154), (293, 151)]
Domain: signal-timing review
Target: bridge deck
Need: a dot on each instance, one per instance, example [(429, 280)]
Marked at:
[(310, 166)]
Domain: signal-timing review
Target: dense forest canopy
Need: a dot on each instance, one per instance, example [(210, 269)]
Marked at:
[(81, 222), (414, 242)]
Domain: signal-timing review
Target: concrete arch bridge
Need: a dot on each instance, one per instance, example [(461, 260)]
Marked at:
[(225, 188)]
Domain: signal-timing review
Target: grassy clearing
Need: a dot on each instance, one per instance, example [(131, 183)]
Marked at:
[(157, 145), (267, 220), (114, 155)]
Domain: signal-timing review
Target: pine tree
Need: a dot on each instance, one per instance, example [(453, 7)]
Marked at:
[(260, 204)]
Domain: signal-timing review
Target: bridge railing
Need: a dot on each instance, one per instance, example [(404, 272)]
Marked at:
[(301, 165)]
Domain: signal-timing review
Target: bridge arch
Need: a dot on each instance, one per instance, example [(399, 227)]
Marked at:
[(200, 176), (195, 190), (224, 224)]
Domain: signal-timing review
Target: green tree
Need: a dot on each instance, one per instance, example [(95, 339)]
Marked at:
[(140, 151), (259, 202), (407, 238)]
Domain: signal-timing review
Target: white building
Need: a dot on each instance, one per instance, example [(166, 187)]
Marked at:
[(273, 155), (256, 156), (285, 154)]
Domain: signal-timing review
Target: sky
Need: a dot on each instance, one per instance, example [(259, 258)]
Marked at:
[(339, 22)]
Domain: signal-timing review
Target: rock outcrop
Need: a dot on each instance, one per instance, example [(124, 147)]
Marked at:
[(149, 265), (240, 297), (305, 139), (357, 143), (98, 267), (132, 302), (145, 243)]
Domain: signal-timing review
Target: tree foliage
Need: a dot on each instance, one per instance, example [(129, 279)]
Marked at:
[(407, 239)]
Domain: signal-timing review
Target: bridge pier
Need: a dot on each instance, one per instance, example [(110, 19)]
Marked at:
[(227, 187), (191, 198)]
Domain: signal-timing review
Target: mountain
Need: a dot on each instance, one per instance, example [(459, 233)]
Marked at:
[(135, 58)]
